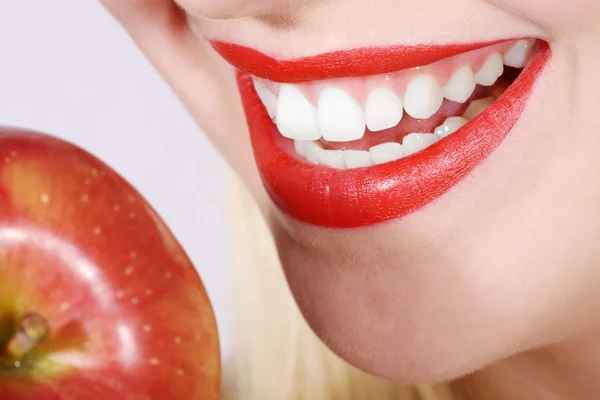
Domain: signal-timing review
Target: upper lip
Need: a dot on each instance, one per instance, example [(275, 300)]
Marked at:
[(342, 63)]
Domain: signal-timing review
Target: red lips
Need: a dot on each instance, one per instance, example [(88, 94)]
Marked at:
[(339, 64), (357, 197)]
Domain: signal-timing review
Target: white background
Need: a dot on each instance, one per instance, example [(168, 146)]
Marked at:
[(66, 68)]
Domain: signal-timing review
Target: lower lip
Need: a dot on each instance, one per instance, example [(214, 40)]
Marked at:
[(365, 196)]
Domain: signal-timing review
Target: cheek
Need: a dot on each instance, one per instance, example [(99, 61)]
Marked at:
[(556, 15)]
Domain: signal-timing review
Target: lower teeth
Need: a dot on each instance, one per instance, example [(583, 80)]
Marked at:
[(390, 151)]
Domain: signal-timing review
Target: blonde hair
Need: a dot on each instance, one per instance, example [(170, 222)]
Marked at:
[(277, 356)]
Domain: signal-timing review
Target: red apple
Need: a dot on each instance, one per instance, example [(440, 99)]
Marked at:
[(97, 298)]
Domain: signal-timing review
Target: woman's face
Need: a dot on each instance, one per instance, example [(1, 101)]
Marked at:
[(469, 246)]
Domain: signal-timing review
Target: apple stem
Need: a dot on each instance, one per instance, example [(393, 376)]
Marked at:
[(33, 330)]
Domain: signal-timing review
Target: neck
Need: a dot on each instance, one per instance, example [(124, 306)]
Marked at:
[(564, 371)]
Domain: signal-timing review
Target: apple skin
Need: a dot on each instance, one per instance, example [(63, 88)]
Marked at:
[(129, 316)]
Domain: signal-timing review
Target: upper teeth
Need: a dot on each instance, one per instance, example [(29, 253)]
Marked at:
[(516, 56), (336, 116), (268, 98), (340, 117), (383, 109), (296, 117), (461, 85), (423, 97), (490, 71)]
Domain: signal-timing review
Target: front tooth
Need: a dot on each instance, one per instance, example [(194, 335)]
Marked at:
[(490, 71), (414, 142), (423, 97), (357, 158), (461, 85), (477, 107), (296, 117), (340, 117), (516, 56), (332, 158), (386, 152), (450, 125), (312, 151), (383, 110), (267, 97)]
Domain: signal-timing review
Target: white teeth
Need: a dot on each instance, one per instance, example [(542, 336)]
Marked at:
[(383, 110), (267, 97), (461, 85), (357, 158), (450, 125), (477, 107), (490, 71), (414, 142), (423, 97), (332, 158), (296, 116), (312, 151), (386, 152), (340, 117), (516, 56), (379, 154)]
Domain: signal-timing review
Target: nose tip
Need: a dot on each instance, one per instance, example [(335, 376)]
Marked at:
[(229, 9)]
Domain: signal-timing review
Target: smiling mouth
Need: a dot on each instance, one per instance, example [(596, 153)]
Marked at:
[(358, 137)]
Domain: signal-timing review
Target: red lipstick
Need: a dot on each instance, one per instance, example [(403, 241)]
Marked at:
[(339, 64), (358, 197)]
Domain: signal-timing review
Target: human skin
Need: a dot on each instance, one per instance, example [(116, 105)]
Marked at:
[(498, 274)]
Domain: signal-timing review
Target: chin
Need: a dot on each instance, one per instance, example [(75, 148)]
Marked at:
[(424, 310)]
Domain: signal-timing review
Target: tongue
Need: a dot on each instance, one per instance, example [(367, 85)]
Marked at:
[(407, 125)]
